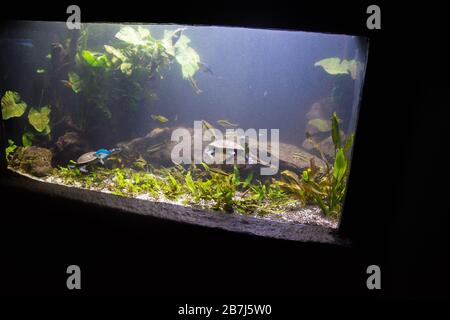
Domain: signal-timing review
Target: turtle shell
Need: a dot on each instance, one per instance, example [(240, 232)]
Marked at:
[(87, 158)]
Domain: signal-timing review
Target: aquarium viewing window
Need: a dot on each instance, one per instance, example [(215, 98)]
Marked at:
[(229, 121)]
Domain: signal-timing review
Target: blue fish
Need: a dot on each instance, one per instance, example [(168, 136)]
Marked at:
[(102, 154)]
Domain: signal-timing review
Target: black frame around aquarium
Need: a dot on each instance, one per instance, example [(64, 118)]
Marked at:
[(380, 168)]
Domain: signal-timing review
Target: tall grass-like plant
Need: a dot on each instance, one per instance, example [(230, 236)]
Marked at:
[(324, 187)]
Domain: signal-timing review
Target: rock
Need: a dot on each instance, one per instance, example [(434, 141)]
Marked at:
[(36, 161), (287, 157), (161, 156), (327, 146), (322, 109), (138, 147), (69, 147)]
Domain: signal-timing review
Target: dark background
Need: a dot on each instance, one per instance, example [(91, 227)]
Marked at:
[(395, 213)]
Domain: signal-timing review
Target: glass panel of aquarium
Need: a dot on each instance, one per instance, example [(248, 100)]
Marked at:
[(233, 120)]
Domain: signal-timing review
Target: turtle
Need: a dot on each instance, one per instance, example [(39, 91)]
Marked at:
[(95, 156), (229, 147)]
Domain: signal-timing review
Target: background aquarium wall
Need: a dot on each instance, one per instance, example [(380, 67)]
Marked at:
[(100, 108)]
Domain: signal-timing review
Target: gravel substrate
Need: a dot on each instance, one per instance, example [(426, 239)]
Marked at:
[(299, 224), (309, 215)]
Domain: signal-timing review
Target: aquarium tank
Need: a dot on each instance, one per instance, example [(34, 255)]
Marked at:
[(226, 120)]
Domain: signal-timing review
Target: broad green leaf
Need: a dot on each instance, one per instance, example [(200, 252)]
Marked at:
[(75, 82), (144, 33), (12, 106), (115, 52), (321, 124), (335, 66), (340, 165), (188, 60), (187, 57), (332, 66), (182, 43), (27, 139), (88, 57), (95, 59), (167, 42), (335, 134), (10, 148), (137, 37), (46, 130), (352, 67), (39, 119)]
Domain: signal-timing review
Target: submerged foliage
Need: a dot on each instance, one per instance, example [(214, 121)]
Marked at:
[(10, 149), (321, 124), (12, 105), (113, 79), (324, 187), (335, 66), (40, 119), (204, 187)]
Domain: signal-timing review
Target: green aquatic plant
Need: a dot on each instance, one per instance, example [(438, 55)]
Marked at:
[(40, 119), (187, 57), (10, 149), (111, 80), (326, 186), (137, 37), (220, 188), (321, 124), (141, 164), (150, 184), (96, 59), (27, 139), (12, 105), (69, 174), (335, 66), (265, 198), (75, 82), (205, 187)]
